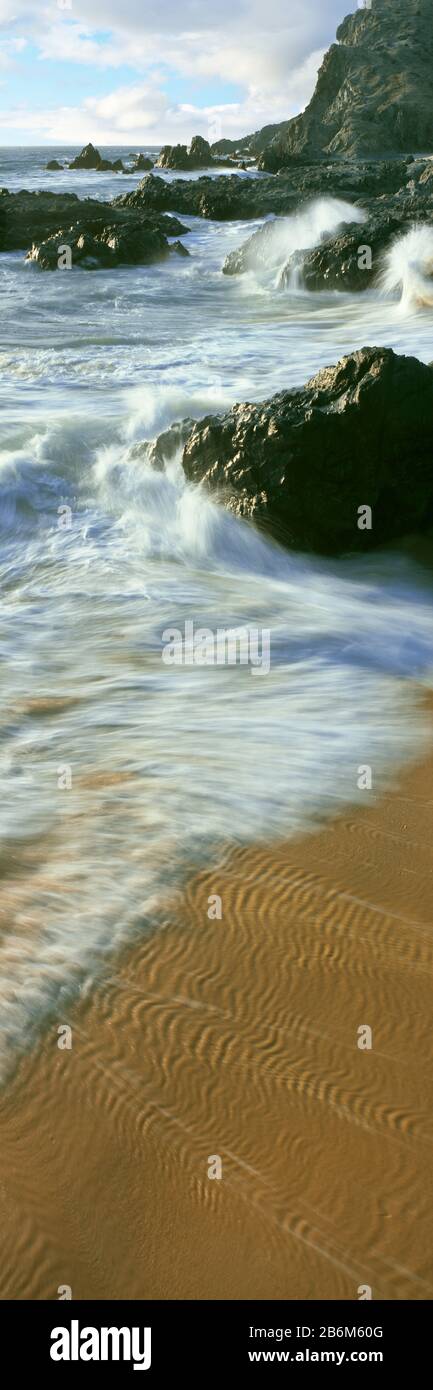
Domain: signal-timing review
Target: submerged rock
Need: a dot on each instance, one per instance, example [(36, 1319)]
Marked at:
[(302, 464), (53, 164)]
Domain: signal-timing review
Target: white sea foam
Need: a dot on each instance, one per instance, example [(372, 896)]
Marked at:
[(279, 240), (168, 764), (408, 269)]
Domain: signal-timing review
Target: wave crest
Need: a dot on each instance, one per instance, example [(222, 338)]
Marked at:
[(408, 269)]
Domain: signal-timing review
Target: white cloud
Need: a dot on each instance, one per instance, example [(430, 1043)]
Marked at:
[(271, 52)]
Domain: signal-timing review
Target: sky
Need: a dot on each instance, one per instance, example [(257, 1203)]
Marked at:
[(148, 72)]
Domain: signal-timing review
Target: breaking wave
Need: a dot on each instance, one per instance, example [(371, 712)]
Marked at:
[(277, 242), (166, 763), (408, 269)]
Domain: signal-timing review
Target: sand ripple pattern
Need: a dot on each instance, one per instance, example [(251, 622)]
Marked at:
[(238, 1038)]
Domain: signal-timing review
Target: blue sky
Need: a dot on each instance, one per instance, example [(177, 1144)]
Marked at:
[(144, 72)]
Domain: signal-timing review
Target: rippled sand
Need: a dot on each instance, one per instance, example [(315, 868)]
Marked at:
[(238, 1037)]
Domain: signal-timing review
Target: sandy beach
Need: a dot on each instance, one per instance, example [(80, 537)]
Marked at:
[(236, 1039)]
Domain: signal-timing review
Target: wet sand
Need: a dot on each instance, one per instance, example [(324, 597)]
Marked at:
[(238, 1038)]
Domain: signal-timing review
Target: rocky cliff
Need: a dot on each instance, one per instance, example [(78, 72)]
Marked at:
[(374, 91)]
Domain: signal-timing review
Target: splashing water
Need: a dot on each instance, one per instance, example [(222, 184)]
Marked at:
[(279, 240), (408, 269), (168, 763)]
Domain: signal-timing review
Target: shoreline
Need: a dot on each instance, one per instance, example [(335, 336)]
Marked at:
[(236, 1039)]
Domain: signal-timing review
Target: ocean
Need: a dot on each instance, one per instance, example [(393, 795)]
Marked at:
[(119, 772)]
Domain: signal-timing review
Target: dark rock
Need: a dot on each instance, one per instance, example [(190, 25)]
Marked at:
[(198, 156), (230, 147), (97, 245), (32, 218), (301, 464), (164, 448), (53, 164), (232, 197), (173, 157), (179, 249), (228, 196), (27, 217), (275, 159), (374, 92), (339, 261), (249, 144), (89, 158), (106, 165), (141, 162), (200, 152)]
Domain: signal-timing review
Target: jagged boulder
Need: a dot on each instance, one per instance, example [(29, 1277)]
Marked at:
[(200, 152), (28, 219), (107, 165), (95, 244), (300, 465), (89, 158), (198, 156), (353, 260), (142, 163), (349, 259)]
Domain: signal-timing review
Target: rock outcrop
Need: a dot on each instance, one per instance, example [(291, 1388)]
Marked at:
[(374, 91), (39, 222), (106, 165), (231, 197), (349, 259), (301, 465), (90, 158), (198, 156), (142, 163), (96, 245), (353, 260)]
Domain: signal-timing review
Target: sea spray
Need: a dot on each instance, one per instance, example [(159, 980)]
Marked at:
[(408, 269), (119, 774), (165, 763), (278, 245)]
